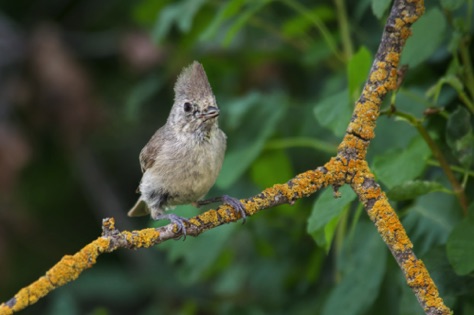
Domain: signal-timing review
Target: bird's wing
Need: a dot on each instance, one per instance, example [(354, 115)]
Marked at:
[(151, 150)]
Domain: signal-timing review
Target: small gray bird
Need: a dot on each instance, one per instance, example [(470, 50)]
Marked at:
[(181, 161)]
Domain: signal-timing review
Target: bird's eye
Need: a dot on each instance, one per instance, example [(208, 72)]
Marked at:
[(188, 107)]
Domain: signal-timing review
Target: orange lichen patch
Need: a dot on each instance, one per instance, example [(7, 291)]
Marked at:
[(143, 238), (379, 74), (5, 310), (393, 58), (399, 23), (420, 281), (212, 216), (109, 224), (405, 33)]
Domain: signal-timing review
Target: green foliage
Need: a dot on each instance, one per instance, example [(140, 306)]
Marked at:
[(460, 247), (414, 188), (286, 81), (362, 268), (425, 39), (398, 166), (326, 213), (357, 71)]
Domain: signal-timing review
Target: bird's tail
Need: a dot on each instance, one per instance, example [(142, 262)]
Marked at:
[(139, 209)]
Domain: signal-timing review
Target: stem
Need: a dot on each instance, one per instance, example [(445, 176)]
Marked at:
[(344, 28), (454, 168), (301, 142), (466, 60), (443, 163), (302, 10)]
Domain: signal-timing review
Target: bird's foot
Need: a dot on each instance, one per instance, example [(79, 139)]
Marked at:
[(231, 201), (175, 219)]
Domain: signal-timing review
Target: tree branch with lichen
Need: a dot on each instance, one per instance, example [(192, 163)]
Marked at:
[(347, 167)]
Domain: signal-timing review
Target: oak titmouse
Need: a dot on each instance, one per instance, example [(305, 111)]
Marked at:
[(181, 161)]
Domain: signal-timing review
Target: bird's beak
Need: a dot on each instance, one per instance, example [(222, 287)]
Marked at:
[(210, 112)]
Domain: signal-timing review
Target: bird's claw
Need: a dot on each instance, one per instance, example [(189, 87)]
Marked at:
[(236, 204), (175, 219)]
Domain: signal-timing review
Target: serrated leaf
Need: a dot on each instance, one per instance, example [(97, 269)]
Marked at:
[(398, 166), (430, 219), (363, 264), (426, 37), (357, 70), (379, 7), (334, 112), (251, 121), (326, 213), (412, 189)]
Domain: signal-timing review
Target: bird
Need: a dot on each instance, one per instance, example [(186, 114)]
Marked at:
[(181, 161)]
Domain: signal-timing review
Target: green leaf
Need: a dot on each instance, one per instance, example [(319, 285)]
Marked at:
[(430, 220), (363, 264), (226, 11), (398, 166), (334, 112), (460, 137), (357, 70), (449, 79), (379, 7), (300, 24), (414, 188), (460, 245), (140, 93), (271, 168), (452, 4), (251, 121), (326, 213), (197, 255), (252, 8), (427, 36), (181, 13)]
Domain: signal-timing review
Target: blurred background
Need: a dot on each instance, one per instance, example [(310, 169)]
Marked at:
[(84, 85)]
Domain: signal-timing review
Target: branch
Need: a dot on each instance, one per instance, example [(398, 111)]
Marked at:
[(347, 167)]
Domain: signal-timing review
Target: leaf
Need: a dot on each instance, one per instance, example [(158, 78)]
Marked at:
[(198, 254), (226, 11), (430, 220), (334, 112), (142, 92), (326, 213), (414, 188), (449, 79), (357, 70), (363, 264), (300, 24), (426, 37), (181, 13), (460, 245), (379, 7), (398, 166), (245, 15), (271, 168), (452, 4), (251, 120), (460, 137)]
